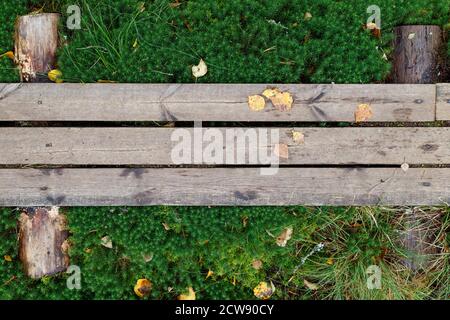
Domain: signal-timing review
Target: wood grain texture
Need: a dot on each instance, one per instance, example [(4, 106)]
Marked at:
[(36, 42), (42, 246), (443, 102), (224, 186), (154, 146), (211, 102), (418, 54)]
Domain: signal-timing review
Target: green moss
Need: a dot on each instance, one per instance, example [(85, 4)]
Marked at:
[(241, 41), (8, 11), (185, 243)]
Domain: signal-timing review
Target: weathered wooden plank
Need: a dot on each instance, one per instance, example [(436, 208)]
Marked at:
[(224, 186), (211, 102), (443, 102), (154, 146)]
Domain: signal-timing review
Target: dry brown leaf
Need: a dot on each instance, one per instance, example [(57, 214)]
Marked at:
[(256, 103), (147, 257), (107, 242), (363, 113), (310, 285), (166, 226), (257, 264), (282, 101), (142, 288), (308, 16), (190, 295), (200, 70), (298, 137), (264, 291), (284, 237), (281, 150)]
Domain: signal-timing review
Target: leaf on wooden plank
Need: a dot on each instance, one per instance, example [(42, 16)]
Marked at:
[(310, 285), (257, 264), (256, 103), (411, 36), (55, 75), (405, 166), (190, 295), (7, 258), (264, 290), (107, 242), (281, 150), (142, 288), (284, 237), (298, 137), (363, 113), (200, 70), (282, 101)]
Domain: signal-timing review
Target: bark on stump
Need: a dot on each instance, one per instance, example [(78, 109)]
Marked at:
[(418, 59), (43, 242), (418, 55), (36, 43), (42, 232)]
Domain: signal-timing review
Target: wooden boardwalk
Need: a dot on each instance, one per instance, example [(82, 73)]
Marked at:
[(107, 144)]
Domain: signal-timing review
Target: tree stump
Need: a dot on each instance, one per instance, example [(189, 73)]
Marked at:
[(42, 232), (36, 43), (43, 242), (418, 59), (418, 55)]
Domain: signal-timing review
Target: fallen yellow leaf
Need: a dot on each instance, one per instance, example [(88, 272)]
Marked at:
[(210, 273), (200, 70), (264, 291), (281, 100), (9, 55), (284, 237), (55, 76), (189, 296), (330, 261), (310, 285), (298, 137), (256, 103), (8, 258), (363, 113), (142, 288)]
